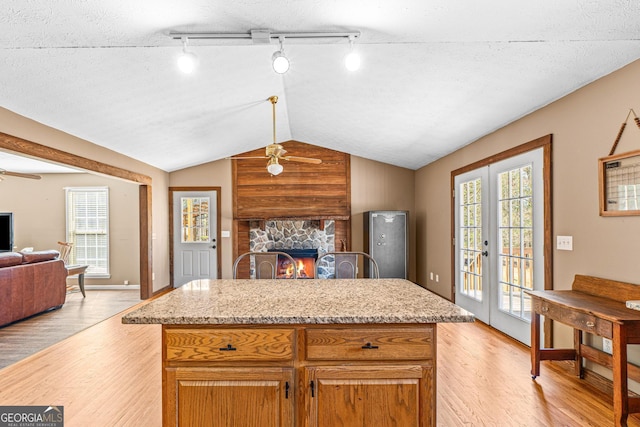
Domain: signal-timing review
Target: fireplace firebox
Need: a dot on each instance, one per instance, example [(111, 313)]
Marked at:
[(305, 260)]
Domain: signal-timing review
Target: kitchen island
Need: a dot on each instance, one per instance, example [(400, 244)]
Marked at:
[(299, 353)]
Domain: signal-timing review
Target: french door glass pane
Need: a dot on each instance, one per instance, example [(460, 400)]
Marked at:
[(516, 235), (471, 242)]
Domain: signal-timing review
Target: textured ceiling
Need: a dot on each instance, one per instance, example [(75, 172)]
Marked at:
[(435, 76)]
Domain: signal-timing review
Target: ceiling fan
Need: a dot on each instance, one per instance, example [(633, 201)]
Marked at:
[(18, 174), (276, 152)]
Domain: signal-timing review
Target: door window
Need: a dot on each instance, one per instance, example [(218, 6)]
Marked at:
[(195, 219)]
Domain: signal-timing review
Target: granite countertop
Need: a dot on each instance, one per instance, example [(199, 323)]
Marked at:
[(215, 302)]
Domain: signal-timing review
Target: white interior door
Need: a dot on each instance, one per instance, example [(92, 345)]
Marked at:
[(194, 236), (503, 203)]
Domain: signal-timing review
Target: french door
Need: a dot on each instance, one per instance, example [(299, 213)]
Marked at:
[(499, 241)]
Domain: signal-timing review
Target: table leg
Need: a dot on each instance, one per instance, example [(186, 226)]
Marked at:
[(535, 345), (577, 343), (620, 386), (81, 284)]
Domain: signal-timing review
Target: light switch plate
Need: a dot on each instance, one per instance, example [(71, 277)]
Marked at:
[(564, 243)]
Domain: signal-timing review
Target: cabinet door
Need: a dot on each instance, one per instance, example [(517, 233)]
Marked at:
[(220, 397), (364, 396)]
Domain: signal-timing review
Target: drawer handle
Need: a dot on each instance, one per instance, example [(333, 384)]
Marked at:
[(229, 347), (590, 324), (545, 309), (368, 346)]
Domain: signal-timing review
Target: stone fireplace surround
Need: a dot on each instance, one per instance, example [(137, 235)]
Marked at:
[(293, 234)]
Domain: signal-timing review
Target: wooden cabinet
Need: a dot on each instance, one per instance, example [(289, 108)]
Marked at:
[(375, 376), (240, 397), (369, 396), (302, 375)]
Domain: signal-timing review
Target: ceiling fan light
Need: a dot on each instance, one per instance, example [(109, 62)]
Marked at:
[(275, 168), (280, 62)]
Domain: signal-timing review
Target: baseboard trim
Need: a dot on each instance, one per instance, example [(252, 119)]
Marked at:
[(112, 287)]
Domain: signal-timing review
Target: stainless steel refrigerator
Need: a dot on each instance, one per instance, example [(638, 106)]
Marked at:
[(386, 239)]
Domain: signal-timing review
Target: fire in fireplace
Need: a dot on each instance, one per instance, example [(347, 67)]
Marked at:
[(305, 260)]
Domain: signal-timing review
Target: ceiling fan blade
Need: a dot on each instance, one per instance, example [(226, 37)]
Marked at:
[(303, 160), (246, 158), (19, 175)]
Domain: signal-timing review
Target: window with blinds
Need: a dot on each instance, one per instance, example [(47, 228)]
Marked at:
[(88, 228)]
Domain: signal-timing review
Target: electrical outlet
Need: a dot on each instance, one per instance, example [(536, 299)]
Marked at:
[(564, 243), (607, 346)]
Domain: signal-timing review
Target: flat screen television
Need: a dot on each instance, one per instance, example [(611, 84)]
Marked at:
[(6, 231)]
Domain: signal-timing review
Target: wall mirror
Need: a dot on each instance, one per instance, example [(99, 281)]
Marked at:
[(619, 182)]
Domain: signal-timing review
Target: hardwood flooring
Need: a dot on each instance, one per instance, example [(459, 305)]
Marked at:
[(28, 336), (109, 375)]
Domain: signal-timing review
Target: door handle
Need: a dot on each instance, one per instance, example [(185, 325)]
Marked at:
[(213, 247), (485, 253)]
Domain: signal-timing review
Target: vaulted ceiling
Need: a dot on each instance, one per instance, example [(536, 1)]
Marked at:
[(436, 75)]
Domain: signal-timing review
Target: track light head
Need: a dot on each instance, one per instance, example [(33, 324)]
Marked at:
[(280, 62), (188, 61), (352, 59)]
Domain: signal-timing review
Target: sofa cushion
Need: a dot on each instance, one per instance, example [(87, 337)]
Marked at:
[(7, 259), (39, 256)]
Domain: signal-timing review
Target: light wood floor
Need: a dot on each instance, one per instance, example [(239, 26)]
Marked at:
[(109, 375)]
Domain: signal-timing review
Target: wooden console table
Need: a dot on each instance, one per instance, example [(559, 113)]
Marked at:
[(596, 306)]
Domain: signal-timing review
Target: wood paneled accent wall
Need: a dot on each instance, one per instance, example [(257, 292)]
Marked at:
[(301, 191)]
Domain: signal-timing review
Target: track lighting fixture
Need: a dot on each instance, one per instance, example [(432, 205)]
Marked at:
[(352, 60), (280, 62), (188, 61)]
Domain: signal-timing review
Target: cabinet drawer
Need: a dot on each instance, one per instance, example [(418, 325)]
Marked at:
[(583, 321), (370, 344), (229, 344)]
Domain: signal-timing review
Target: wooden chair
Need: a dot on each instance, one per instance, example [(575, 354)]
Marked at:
[(346, 264), (266, 264), (72, 270), (65, 250)]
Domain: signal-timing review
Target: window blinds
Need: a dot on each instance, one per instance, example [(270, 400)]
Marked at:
[(88, 228)]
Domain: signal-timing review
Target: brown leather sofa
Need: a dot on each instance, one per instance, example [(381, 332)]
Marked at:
[(30, 283)]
